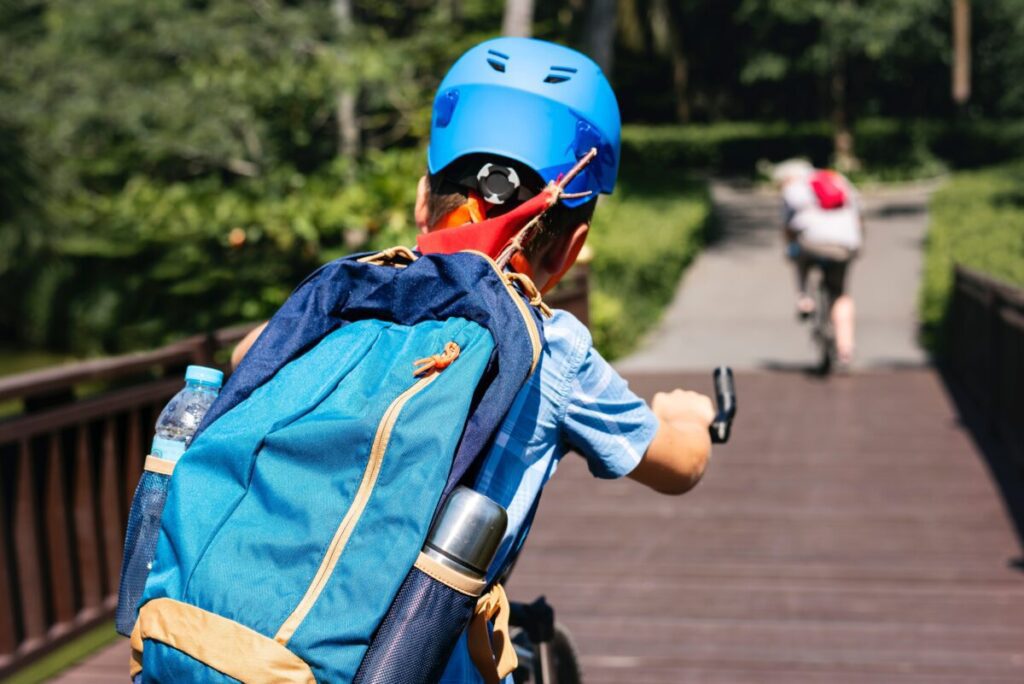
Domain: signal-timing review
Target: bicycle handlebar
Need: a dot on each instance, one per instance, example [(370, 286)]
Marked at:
[(725, 398)]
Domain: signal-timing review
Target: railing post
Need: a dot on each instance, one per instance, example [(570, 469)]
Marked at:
[(8, 618), (58, 539), (986, 351), (26, 545), (70, 467)]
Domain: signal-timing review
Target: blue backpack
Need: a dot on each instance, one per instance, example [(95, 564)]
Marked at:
[(290, 543)]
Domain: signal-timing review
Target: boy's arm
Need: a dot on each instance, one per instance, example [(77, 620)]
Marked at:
[(675, 460), (242, 348)]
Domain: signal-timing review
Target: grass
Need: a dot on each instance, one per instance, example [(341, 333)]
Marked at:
[(66, 656), (643, 237), (18, 361), (977, 219)]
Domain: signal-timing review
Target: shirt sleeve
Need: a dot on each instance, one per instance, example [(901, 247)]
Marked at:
[(605, 421)]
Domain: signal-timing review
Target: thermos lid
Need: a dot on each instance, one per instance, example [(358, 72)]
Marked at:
[(469, 529)]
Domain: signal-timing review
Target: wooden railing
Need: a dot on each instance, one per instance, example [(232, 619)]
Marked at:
[(986, 351), (69, 463)]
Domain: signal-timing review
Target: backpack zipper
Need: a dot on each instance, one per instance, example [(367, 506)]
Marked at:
[(348, 523)]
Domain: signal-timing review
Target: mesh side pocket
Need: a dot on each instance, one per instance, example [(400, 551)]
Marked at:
[(419, 632), (140, 546)]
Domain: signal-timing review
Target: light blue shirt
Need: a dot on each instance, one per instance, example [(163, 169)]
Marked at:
[(574, 401)]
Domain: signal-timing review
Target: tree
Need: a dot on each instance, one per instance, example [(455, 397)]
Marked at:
[(349, 142), (518, 18), (831, 38), (961, 51), (658, 25), (599, 33), (183, 157)]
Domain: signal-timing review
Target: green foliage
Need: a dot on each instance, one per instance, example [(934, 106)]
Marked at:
[(172, 166), (977, 219), (889, 149), (162, 259), (643, 236), (838, 31)]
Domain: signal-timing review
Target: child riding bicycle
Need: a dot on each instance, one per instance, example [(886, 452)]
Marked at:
[(823, 227), (511, 116)]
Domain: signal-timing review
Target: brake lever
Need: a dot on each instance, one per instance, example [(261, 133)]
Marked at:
[(725, 398)]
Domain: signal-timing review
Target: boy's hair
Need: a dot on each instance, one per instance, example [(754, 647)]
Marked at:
[(446, 195)]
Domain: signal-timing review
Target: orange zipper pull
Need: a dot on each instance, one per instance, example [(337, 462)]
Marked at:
[(437, 362)]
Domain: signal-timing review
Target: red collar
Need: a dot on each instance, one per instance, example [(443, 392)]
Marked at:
[(489, 236)]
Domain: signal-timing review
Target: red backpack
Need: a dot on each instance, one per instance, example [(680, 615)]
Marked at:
[(828, 189)]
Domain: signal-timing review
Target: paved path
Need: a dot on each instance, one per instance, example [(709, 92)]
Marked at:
[(735, 305)]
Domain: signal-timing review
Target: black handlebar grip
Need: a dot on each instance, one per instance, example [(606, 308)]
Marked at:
[(725, 398)]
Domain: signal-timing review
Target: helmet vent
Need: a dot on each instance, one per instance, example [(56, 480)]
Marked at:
[(497, 60), (560, 74)]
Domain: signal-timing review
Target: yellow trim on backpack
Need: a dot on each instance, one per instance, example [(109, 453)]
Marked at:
[(155, 464), (531, 325), (217, 642), (448, 577), (348, 522)]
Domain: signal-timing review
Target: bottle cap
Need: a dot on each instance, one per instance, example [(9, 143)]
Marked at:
[(204, 375)]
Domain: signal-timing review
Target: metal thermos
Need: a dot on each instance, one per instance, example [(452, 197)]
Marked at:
[(417, 636), (466, 535)]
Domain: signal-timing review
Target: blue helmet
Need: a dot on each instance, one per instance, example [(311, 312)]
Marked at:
[(534, 102)]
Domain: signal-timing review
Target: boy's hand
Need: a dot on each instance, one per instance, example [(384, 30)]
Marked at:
[(677, 456), (683, 406)]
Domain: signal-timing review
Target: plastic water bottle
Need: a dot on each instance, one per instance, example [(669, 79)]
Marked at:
[(174, 430)]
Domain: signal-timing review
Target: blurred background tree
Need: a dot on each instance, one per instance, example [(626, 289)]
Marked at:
[(172, 166)]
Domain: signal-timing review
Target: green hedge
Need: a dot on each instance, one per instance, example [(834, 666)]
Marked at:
[(888, 148), (977, 219), (643, 236), (155, 261)]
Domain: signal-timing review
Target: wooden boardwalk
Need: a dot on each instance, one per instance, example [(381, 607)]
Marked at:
[(850, 533)]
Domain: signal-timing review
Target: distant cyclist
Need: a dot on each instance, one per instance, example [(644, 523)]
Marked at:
[(823, 227)]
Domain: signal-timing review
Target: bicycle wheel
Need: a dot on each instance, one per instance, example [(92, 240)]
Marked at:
[(567, 664), (563, 661), (824, 335)]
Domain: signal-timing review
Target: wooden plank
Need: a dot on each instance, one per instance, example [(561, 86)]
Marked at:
[(89, 409), (28, 561), (8, 618), (58, 537), (133, 460), (112, 532), (60, 377), (87, 540), (850, 532)]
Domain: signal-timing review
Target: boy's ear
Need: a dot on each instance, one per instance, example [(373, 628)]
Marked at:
[(564, 250), (422, 213)]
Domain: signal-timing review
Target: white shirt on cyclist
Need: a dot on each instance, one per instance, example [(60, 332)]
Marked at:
[(804, 215)]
